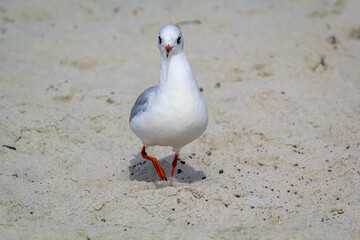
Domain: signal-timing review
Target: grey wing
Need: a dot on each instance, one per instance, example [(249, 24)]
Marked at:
[(142, 102)]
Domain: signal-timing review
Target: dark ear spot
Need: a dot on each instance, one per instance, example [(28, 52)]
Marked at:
[(159, 39)]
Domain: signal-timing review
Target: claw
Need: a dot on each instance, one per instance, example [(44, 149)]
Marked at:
[(157, 166)]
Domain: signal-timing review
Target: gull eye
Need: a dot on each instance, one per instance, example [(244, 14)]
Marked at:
[(159, 39), (178, 40)]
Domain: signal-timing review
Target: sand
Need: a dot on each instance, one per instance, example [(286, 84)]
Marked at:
[(280, 157)]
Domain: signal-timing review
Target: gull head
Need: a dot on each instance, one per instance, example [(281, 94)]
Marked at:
[(170, 41)]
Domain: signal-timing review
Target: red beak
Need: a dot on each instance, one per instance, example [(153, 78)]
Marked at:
[(168, 48)]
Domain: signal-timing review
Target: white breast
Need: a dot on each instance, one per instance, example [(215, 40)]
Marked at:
[(176, 113)]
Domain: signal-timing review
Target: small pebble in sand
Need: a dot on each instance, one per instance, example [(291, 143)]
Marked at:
[(179, 170), (109, 100), (221, 171), (208, 153), (333, 41)]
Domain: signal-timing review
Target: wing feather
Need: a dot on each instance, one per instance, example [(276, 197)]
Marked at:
[(141, 103)]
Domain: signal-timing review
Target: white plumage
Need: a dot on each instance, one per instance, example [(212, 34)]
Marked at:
[(173, 113)]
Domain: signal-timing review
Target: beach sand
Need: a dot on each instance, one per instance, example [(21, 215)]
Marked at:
[(280, 157)]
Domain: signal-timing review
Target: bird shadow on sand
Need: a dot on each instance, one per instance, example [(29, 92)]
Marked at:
[(143, 170)]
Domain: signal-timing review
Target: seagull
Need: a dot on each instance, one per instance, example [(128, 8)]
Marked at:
[(172, 113)]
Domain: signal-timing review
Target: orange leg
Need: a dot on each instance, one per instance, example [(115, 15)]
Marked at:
[(157, 166), (174, 163)]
